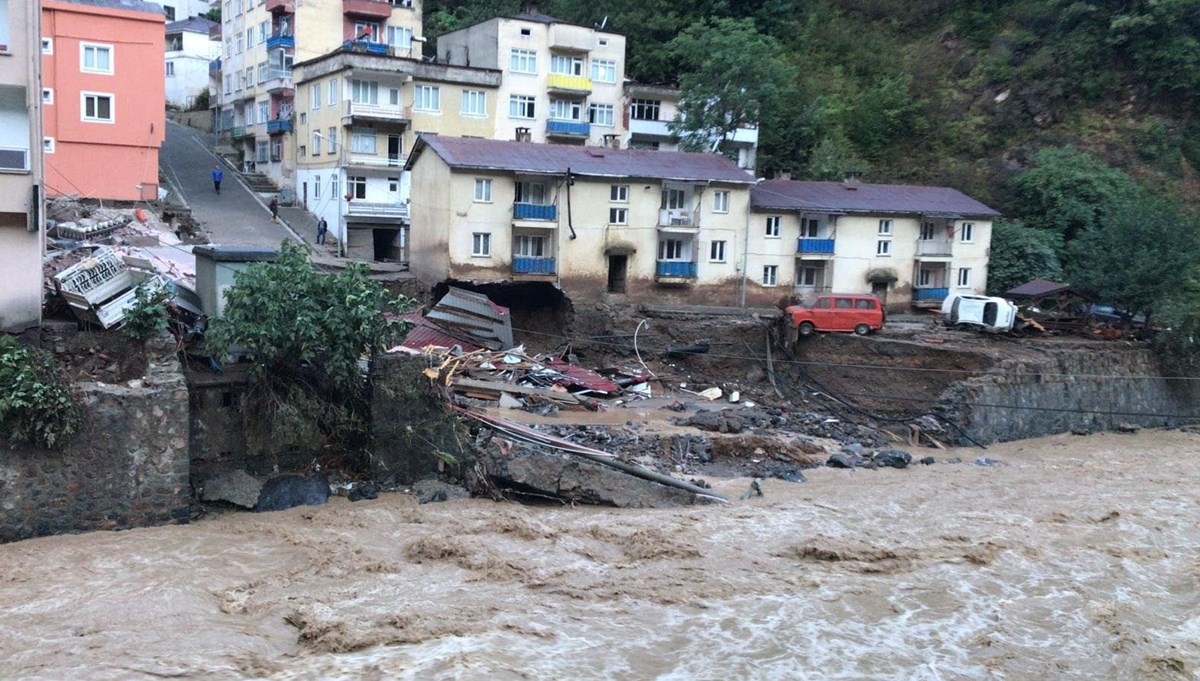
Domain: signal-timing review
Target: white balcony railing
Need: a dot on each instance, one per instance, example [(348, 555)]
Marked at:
[(391, 113), (649, 128)]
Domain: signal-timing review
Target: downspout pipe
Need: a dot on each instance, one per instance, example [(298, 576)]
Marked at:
[(570, 220)]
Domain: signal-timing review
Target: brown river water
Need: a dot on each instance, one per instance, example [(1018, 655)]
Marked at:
[(1079, 558)]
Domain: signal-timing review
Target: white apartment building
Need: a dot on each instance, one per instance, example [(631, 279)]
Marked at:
[(652, 108), (191, 46), (562, 82), (178, 10)]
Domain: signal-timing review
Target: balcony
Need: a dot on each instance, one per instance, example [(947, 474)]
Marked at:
[(279, 81), (281, 6), (573, 129), (675, 269), (933, 248), (367, 9), (533, 265), (820, 246), (385, 211), (743, 135), (569, 84), (534, 211), (366, 46), (237, 133), (930, 295), (374, 112), (278, 41), (676, 217), (655, 129), (371, 160), (280, 126), (214, 67)]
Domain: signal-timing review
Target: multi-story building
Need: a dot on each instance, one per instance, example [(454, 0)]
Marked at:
[(21, 204), (191, 47), (178, 10), (102, 97), (904, 244), (588, 220), (263, 38), (650, 110), (357, 114), (562, 83)]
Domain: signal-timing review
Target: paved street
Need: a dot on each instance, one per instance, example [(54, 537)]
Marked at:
[(233, 217)]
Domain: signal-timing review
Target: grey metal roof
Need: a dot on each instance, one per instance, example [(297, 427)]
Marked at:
[(222, 253), (555, 159), (866, 198), (128, 5), (1037, 287), (193, 24)]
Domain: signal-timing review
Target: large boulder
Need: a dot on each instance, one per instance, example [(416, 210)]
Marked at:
[(288, 491)]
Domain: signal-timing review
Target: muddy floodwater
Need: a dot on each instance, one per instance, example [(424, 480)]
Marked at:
[(1076, 558)]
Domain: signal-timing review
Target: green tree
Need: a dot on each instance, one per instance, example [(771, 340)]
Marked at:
[(732, 75), (1142, 253), (1021, 253), (1067, 191), (147, 317)]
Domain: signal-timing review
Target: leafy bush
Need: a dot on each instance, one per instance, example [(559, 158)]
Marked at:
[(1021, 253), (148, 315), (37, 406)]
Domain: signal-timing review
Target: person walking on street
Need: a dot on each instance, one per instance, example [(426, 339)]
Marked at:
[(274, 206), (322, 228), (217, 176)]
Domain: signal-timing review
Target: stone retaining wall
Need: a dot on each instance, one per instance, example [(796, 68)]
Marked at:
[(1085, 387), (128, 467)]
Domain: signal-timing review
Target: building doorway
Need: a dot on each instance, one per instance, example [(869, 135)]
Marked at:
[(879, 289), (618, 266)]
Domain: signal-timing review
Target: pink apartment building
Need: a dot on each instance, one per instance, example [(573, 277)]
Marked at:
[(102, 97)]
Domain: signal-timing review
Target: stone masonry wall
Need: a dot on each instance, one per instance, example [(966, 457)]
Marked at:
[(1083, 387), (128, 467)]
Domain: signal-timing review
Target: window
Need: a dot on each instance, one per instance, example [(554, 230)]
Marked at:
[(47, 95), (567, 66), (808, 276), (601, 114), (522, 61), (865, 304), (481, 244), (393, 184), (618, 193), (843, 304), (604, 71), (364, 92), (362, 141), (670, 249), (237, 49), (809, 228), (366, 31), (526, 32), (249, 77), (474, 103), (604, 42), (303, 118), (333, 82), (169, 12), (316, 182), (96, 58), (228, 48), (97, 108), (263, 32), (228, 83), (316, 143), (250, 39), (528, 246), (483, 190), (967, 235), (47, 45), (331, 140), (644, 110), (400, 37), (565, 109), (773, 225), (924, 276), (770, 275), (964, 277), (618, 216), (315, 95), (673, 199), (427, 98), (520, 106), (333, 186), (356, 187), (262, 72), (721, 202), (927, 231), (264, 111), (260, 151), (885, 227), (248, 113), (48, 145), (241, 79), (237, 6), (276, 150), (883, 247), (303, 150), (716, 251)]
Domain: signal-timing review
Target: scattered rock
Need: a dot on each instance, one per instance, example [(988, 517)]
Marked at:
[(839, 461), (954, 460), (1081, 430), (985, 461), (431, 490), (893, 458), (928, 461), (1128, 428), (236, 487), (288, 491), (853, 448), (363, 490)]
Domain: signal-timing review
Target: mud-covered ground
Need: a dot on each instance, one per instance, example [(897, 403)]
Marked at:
[(1074, 557)]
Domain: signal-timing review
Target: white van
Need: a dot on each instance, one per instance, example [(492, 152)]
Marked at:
[(994, 315)]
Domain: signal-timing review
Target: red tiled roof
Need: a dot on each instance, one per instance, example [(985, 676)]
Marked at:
[(554, 159), (866, 198)]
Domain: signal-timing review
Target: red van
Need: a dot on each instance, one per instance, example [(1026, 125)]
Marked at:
[(838, 312)]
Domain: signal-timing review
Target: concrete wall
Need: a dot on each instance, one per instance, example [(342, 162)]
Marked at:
[(1092, 387), (127, 468)]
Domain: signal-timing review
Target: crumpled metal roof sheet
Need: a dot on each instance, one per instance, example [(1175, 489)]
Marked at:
[(476, 316), (1036, 287), (874, 199)]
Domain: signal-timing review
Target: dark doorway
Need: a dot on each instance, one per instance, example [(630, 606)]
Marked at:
[(879, 289), (393, 150), (617, 267)]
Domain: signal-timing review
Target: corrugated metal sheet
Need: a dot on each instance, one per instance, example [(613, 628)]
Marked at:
[(476, 316), (554, 159), (425, 333), (1036, 287), (866, 198)]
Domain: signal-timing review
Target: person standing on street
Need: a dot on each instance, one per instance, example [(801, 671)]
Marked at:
[(274, 206), (217, 176), (322, 228)]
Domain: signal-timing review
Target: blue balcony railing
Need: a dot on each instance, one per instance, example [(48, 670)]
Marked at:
[(814, 246), (278, 126), (567, 128), (214, 66), (366, 46), (927, 295), (676, 268), (533, 266), (534, 211), (277, 41)]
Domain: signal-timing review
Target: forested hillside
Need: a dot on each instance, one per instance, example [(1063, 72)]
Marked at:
[(1074, 119)]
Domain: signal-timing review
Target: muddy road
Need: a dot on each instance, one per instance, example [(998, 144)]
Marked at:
[(1076, 558)]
